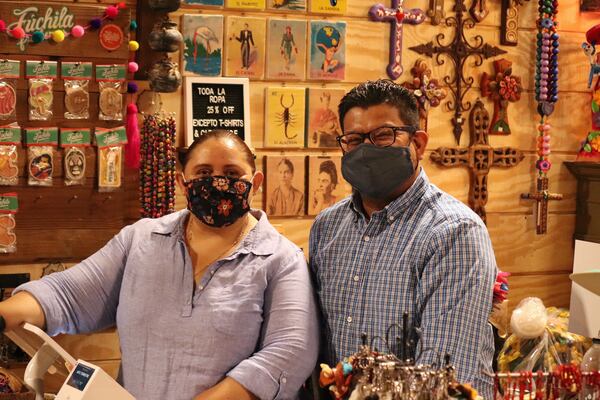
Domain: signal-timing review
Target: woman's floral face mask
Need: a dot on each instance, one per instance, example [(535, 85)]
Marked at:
[(218, 200)]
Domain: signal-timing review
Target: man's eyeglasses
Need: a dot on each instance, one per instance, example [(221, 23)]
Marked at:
[(383, 137)]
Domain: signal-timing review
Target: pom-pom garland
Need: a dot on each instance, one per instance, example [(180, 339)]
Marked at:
[(112, 12), (133, 45), (77, 31), (18, 33), (133, 66), (133, 25), (96, 23), (132, 87), (37, 37), (2, 26), (58, 36)]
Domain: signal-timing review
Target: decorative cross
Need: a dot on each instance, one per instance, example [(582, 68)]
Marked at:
[(479, 10), (509, 22), (479, 157), (436, 11), (502, 89), (458, 51), (541, 197), (427, 90), (398, 17)]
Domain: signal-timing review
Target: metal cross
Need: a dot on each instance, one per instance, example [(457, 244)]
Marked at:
[(541, 197), (398, 17), (459, 50), (479, 157)]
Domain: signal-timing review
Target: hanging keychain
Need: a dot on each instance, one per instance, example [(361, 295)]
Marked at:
[(41, 76), (41, 143), (76, 76), (74, 142), (10, 142), (9, 74), (110, 144), (9, 205), (111, 79)]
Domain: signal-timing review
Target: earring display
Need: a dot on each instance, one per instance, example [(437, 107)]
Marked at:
[(74, 142), (41, 76), (9, 74), (157, 170), (10, 140), (9, 205), (41, 143), (110, 144)]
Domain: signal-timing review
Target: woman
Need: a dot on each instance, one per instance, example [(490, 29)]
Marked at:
[(286, 200), (327, 181), (210, 302)]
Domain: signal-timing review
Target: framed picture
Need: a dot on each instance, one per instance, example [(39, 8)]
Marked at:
[(285, 185), (246, 4), (245, 47), (328, 6), (326, 186), (284, 117), (589, 6), (216, 103), (327, 50), (323, 120), (203, 3), (286, 5), (286, 47), (203, 44)]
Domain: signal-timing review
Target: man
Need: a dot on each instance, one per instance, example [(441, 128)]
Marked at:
[(400, 244), (245, 40)]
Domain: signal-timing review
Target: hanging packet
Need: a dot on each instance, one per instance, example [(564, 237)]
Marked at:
[(9, 74), (110, 144), (9, 205), (74, 142), (41, 143), (76, 77), (41, 76), (111, 80), (10, 142)]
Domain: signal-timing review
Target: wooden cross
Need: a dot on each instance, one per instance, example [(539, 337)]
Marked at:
[(458, 51), (509, 21), (479, 157), (503, 88), (398, 17), (426, 89), (541, 197), (436, 11)]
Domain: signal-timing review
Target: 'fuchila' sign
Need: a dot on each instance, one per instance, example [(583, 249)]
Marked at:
[(47, 20)]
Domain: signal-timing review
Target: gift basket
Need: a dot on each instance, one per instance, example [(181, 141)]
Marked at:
[(12, 387)]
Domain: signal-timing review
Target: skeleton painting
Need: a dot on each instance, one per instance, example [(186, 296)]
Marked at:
[(285, 115), (285, 178), (203, 41)]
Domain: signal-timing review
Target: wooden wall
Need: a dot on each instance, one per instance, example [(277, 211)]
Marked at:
[(540, 264)]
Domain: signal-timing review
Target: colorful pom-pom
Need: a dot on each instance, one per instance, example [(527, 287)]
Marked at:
[(18, 33), (132, 66), (121, 5), (133, 25), (112, 12), (132, 87), (133, 45), (2, 25), (77, 31), (96, 23), (37, 37), (58, 36)]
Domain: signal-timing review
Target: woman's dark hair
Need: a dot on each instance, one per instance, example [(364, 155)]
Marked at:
[(219, 134), (382, 91), (287, 162), (329, 168)]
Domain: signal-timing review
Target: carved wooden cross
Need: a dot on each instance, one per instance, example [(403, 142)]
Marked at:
[(509, 18), (426, 89), (436, 11), (398, 17), (541, 197), (458, 51), (502, 89), (479, 157)]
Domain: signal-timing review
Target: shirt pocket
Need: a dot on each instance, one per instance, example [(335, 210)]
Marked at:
[(237, 310)]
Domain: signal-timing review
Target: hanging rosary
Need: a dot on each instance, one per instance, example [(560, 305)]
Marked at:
[(546, 94), (157, 169)]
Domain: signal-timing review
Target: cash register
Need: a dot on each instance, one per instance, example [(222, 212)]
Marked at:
[(85, 381)]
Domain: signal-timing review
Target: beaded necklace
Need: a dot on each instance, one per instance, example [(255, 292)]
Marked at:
[(546, 78), (157, 169)]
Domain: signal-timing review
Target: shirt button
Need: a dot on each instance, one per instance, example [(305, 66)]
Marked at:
[(212, 272), (367, 238), (349, 319), (391, 219), (200, 287), (356, 278), (283, 380)]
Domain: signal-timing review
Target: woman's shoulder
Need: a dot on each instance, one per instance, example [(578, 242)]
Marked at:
[(165, 225)]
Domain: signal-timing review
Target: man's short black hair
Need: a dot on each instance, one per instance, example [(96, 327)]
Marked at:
[(382, 91)]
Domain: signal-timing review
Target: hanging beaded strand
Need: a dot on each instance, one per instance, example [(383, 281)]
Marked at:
[(546, 78), (157, 170)]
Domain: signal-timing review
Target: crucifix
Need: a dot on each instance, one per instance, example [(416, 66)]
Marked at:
[(426, 89), (459, 50), (479, 157), (501, 89), (397, 16), (541, 197)]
